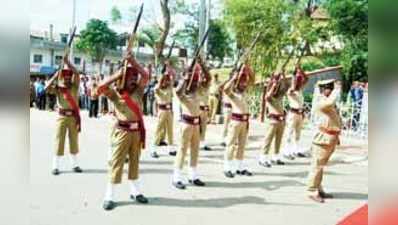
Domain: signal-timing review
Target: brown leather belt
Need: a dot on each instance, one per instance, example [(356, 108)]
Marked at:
[(240, 117), (130, 126), (166, 106), (329, 131), (192, 120), (65, 112), (278, 117), (227, 105), (297, 111), (204, 108)]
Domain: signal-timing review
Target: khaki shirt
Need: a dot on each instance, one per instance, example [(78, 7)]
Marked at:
[(296, 99), (238, 102), (275, 103), (61, 101), (189, 104), (203, 94), (163, 96), (215, 87), (330, 118), (122, 111)]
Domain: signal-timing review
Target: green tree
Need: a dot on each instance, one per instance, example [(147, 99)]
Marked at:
[(350, 22), (96, 39), (219, 41), (116, 15)]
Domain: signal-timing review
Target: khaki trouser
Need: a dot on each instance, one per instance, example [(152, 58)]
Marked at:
[(213, 105), (124, 143), (320, 157), (164, 127), (190, 138), (64, 124), (204, 118), (236, 140), (227, 120), (294, 127), (274, 132)]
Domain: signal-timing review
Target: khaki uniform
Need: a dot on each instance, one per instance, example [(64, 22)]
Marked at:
[(190, 134), (123, 142), (237, 130), (203, 96), (295, 121), (274, 127), (325, 141), (65, 123), (214, 99), (165, 122), (227, 111)]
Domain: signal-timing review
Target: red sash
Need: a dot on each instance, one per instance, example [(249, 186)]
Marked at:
[(133, 106), (73, 104)]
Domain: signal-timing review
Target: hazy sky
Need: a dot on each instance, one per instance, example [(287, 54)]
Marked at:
[(59, 12)]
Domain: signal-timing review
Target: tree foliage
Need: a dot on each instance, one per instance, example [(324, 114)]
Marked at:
[(219, 43), (350, 22), (116, 15), (96, 39)]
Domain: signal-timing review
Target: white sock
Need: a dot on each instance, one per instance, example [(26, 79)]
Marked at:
[(73, 161), (240, 165), (110, 188), (135, 187), (171, 148), (193, 173), (177, 176), (56, 162), (227, 165), (154, 148), (276, 157), (264, 158)]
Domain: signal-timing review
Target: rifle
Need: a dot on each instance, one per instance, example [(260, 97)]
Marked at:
[(69, 45), (120, 84), (245, 56), (197, 52), (196, 55), (168, 57)]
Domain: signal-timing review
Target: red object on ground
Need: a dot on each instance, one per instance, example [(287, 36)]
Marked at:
[(358, 217)]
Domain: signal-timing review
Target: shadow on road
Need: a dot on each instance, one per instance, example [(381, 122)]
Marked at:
[(207, 203), (268, 185), (350, 195)]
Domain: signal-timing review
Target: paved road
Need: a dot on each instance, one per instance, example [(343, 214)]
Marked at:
[(274, 196)]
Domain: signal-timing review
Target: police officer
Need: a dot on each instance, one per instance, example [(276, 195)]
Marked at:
[(275, 120), (164, 94), (187, 95), (235, 92), (66, 89), (325, 140), (295, 117), (214, 98), (128, 134), (203, 94)]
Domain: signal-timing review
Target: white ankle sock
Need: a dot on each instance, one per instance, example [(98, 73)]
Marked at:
[(109, 193), (135, 187), (56, 162)]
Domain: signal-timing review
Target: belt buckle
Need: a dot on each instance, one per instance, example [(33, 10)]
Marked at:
[(68, 113), (133, 126), (244, 117), (196, 120), (168, 106), (281, 118)]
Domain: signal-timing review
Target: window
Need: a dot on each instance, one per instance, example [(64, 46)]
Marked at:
[(77, 60), (64, 38), (58, 60), (37, 58)]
